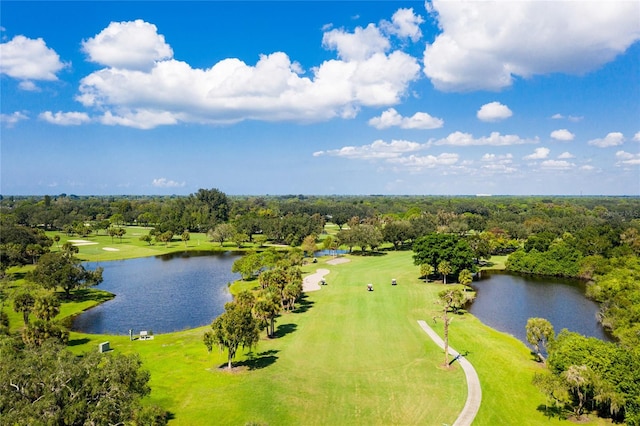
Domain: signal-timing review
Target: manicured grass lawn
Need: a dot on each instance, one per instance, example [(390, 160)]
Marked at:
[(347, 357), (102, 247)]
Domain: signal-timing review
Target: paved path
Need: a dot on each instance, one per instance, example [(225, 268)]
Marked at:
[(474, 392)]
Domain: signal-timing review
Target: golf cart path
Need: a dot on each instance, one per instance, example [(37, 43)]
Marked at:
[(474, 392)]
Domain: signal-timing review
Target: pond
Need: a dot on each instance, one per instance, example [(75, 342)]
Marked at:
[(163, 293), (505, 302)]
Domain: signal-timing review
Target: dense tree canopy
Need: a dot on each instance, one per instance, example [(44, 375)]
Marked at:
[(49, 385), (61, 270), (433, 249)]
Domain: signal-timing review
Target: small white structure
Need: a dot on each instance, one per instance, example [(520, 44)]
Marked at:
[(393, 281), (145, 335), (104, 347)]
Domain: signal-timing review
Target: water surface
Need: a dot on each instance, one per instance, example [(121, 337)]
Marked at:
[(505, 302), (163, 293)]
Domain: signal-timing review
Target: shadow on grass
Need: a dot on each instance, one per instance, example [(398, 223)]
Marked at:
[(258, 361), (284, 329), (78, 342), (553, 412), (87, 294), (303, 305), (369, 253)]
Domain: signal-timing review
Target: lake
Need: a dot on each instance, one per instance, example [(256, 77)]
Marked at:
[(505, 302), (163, 293)]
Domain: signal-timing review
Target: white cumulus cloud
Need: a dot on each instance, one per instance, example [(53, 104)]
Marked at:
[(484, 45), (495, 139), (404, 24), (557, 164), (167, 183), (538, 154), (133, 45), (29, 59), (377, 149), (426, 161), (562, 135), (493, 111), (498, 163), (65, 118), (9, 120), (636, 137), (612, 139), (628, 159), (275, 88), (358, 45), (419, 120), (566, 155)]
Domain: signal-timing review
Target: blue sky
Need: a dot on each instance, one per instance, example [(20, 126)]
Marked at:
[(315, 97)]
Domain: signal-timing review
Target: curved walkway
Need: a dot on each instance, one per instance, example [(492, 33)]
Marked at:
[(474, 392)]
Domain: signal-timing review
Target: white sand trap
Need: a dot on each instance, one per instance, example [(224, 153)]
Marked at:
[(312, 282), (81, 242), (110, 249), (338, 260)]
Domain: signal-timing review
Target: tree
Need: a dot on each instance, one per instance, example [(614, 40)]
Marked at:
[(59, 270), (447, 299), (248, 265), (266, 309), (120, 233), (539, 334), (23, 303), (235, 327), (222, 232), (38, 332), (435, 248), (367, 236), (146, 238), (68, 249), (216, 204), (465, 277), (291, 293), (185, 237), (578, 378), (426, 270), (309, 245), (49, 385), (46, 305), (445, 269), (165, 237), (240, 238), (397, 232)]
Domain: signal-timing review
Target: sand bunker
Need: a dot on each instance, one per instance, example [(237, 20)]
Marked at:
[(110, 249), (82, 242), (312, 282), (338, 260)]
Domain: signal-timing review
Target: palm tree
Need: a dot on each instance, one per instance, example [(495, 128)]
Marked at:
[(444, 268)]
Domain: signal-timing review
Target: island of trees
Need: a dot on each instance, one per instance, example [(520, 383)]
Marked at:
[(596, 239)]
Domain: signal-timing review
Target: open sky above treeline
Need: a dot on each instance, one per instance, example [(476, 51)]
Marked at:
[(316, 97)]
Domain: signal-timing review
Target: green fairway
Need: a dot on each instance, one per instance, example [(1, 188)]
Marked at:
[(101, 247), (348, 356)]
